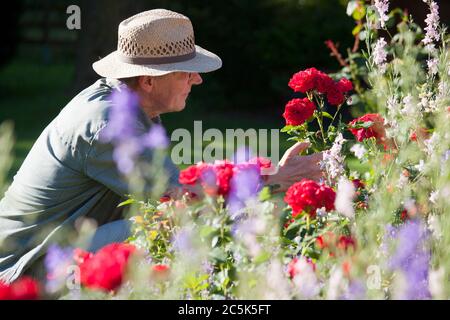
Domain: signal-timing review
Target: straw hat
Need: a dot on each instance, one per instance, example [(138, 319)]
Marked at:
[(156, 42)]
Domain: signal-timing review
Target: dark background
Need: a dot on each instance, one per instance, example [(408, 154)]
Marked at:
[(262, 43)]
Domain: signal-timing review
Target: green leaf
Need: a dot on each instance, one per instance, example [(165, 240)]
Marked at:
[(206, 231), (126, 202), (327, 115), (287, 128), (265, 194), (262, 257), (218, 254)]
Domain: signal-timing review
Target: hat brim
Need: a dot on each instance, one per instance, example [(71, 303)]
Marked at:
[(112, 67)]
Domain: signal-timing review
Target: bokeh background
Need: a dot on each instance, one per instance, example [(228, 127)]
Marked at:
[(261, 42)]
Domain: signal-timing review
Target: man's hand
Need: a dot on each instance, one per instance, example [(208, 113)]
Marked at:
[(292, 167)]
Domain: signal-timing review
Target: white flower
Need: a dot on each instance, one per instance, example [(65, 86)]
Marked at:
[(436, 281), (434, 196), (434, 226), (421, 166), (409, 108), (402, 181), (333, 160), (382, 7), (278, 287), (379, 54), (432, 66), (445, 157), (432, 22), (336, 283), (431, 143), (305, 279), (359, 150), (344, 197)]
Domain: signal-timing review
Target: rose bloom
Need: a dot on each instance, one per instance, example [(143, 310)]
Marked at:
[(335, 97), (224, 172), (324, 82), (308, 196), (346, 242), (297, 111), (344, 85), (189, 175), (105, 269), (377, 129), (25, 288), (304, 81)]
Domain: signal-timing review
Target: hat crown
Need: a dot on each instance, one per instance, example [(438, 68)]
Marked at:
[(156, 34)]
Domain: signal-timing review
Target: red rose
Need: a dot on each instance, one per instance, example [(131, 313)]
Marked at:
[(344, 85), (345, 242), (304, 81), (224, 173), (189, 175), (308, 195), (335, 96), (324, 83), (297, 111), (376, 130), (25, 288), (105, 269)]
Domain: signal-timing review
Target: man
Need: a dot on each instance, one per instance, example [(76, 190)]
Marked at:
[(70, 172)]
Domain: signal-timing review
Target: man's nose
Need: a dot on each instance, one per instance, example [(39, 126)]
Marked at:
[(196, 78)]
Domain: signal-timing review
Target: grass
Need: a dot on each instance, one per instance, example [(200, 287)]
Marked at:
[(34, 93)]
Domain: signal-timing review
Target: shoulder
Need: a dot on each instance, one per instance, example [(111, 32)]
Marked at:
[(87, 113)]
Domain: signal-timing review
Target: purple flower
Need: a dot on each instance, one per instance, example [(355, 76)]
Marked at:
[(56, 262), (356, 291), (432, 22), (125, 154), (183, 243), (412, 258), (382, 7), (122, 116), (244, 185), (156, 138)]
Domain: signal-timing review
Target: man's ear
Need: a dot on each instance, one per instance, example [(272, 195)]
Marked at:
[(146, 83)]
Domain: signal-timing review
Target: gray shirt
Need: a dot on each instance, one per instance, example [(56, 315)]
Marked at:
[(68, 174)]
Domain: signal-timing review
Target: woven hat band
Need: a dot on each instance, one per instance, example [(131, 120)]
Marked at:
[(156, 60)]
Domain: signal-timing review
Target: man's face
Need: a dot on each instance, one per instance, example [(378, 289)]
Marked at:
[(169, 92)]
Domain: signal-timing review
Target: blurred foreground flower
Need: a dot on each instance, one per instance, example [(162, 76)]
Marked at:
[(25, 288)]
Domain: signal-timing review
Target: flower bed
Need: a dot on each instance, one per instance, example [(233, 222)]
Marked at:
[(379, 232)]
